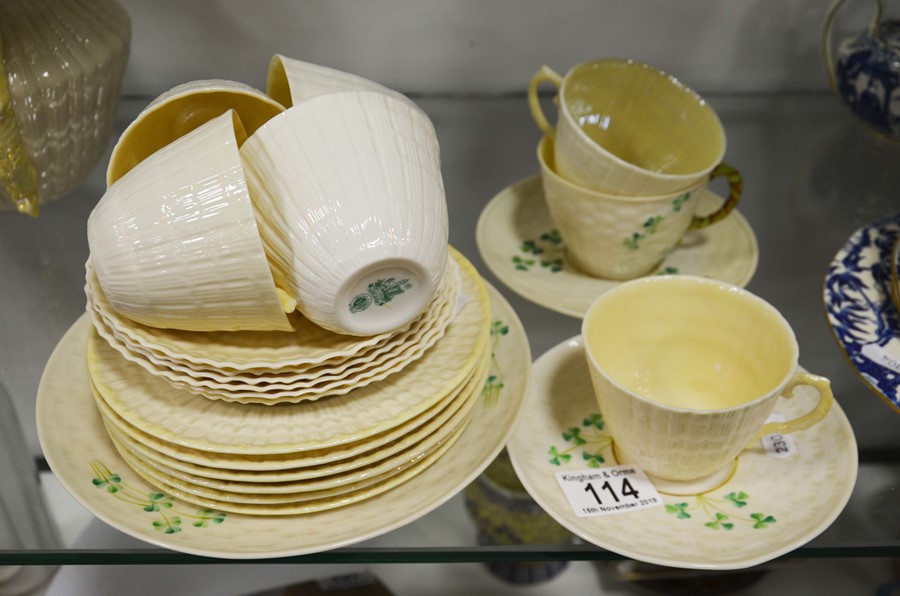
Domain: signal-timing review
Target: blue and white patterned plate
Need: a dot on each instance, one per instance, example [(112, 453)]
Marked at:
[(859, 307)]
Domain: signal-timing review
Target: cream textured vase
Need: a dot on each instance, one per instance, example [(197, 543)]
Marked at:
[(64, 61)]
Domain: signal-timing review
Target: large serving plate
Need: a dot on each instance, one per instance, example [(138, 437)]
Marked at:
[(518, 242), (861, 310), (768, 507), (86, 462)]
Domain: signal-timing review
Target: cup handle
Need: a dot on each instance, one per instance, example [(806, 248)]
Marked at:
[(826, 398), (735, 190), (544, 75)]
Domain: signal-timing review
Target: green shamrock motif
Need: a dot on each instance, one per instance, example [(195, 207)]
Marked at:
[(573, 435), (556, 265), (522, 264), (553, 237), (557, 458), (207, 516), (721, 519), (594, 460), (158, 502), (594, 420), (667, 271), (152, 502), (739, 498), (587, 438), (493, 385), (530, 246), (720, 523), (678, 509), (762, 520), (680, 200), (548, 244), (652, 223)]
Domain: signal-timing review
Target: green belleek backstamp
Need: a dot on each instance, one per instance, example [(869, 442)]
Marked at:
[(547, 251), (494, 383), (587, 444), (379, 292), (170, 520)]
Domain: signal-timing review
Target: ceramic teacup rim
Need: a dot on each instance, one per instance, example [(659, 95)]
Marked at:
[(547, 143), (631, 63), (664, 279)]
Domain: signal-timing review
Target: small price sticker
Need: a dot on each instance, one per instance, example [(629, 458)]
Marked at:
[(776, 444), (605, 491)]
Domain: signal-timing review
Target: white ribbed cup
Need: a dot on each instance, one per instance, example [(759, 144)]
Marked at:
[(351, 208), (175, 244)]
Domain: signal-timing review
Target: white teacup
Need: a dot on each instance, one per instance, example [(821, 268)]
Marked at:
[(351, 208), (180, 110), (622, 237), (628, 128), (686, 371), (174, 242), (291, 81)]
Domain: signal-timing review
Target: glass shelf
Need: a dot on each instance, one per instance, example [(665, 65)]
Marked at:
[(812, 176)]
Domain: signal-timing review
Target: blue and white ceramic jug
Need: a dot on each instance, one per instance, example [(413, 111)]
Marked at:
[(864, 72)]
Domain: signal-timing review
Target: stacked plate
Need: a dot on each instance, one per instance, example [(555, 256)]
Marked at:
[(269, 368), (291, 451)]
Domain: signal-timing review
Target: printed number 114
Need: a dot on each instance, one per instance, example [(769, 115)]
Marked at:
[(626, 491)]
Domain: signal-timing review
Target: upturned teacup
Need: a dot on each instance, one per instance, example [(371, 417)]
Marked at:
[(627, 128), (621, 237), (687, 370)]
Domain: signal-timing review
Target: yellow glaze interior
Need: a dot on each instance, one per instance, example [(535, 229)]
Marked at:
[(277, 85), (690, 344), (170, 120), (644, 116)]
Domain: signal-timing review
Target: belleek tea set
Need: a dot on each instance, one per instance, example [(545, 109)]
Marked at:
[(277, 329)]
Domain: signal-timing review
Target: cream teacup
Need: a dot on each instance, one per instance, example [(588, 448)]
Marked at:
[(622, 237), (687, 370), (628, 128), (350, 202)]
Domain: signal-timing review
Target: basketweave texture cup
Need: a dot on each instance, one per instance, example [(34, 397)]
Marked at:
[(628, 128), (351, 207), (687, 370), (622, 237)]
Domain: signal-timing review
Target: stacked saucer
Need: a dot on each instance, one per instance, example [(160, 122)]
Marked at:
[(261, 367), (305, 451)]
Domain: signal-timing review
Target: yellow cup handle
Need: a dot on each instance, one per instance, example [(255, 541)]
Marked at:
[(826, 398), (544, 75), (735, 190)]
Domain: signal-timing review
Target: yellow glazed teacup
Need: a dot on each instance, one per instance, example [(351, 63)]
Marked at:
[(628, 128), (622, 237), (686, 371)]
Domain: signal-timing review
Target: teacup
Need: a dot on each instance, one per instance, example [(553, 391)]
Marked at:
[(622, 237), (291, 81), (627, 128), (351, 208), (180, 110), (687, 370), (175, 244)]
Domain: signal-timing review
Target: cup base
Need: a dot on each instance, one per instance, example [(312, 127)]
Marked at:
[(695, 486), (609, 272), (383, 296)]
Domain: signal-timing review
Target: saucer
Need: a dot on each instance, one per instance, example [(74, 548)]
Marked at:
[(518, 242), (859, 307), (769, 506), (84, 459)]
